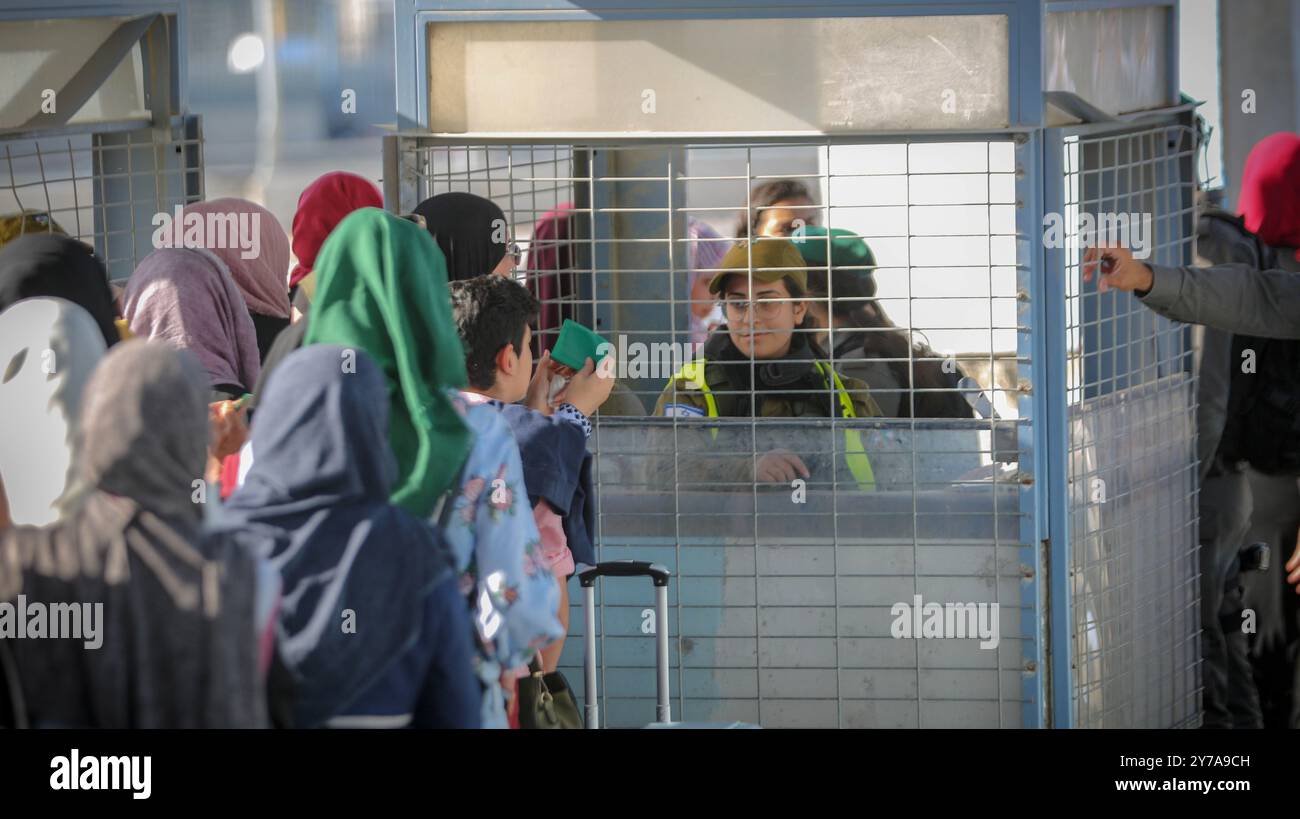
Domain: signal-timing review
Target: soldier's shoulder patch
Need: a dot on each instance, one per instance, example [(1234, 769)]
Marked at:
[(682, 410)]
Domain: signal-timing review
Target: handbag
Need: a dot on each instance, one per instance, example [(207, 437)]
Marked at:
[(545, 700)]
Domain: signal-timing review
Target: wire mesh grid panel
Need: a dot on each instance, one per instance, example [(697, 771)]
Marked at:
[(793, 603), (1131, 422), (103, 187)]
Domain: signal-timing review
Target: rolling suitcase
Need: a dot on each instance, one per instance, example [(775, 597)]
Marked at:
[(624, 568), (659, 576)]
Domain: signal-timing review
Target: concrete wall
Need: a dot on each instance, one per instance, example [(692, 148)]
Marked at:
[(1259, 42)]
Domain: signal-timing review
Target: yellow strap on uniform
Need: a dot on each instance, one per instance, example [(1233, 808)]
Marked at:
[(693, 372), (855, 453)]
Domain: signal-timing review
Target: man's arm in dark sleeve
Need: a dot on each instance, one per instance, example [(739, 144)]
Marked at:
[(1232, 297)]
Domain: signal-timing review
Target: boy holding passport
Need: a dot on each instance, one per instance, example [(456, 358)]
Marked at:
[(492, 315)]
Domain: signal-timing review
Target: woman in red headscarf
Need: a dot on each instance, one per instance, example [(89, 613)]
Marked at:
[(323, 205)]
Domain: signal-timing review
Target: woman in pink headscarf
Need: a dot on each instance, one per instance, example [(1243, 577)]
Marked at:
[(187, 298), (323, 204), (249, 241)]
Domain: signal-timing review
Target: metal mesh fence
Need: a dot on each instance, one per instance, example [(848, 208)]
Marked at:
[(1131, 458), (786, 596), (102, 187)]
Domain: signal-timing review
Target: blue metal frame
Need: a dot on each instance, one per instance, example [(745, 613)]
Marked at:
[(1100, 377), (1055, 432), (1035, 369), (1171, 30), (112, 140), (1052, 425), (411, 17), (63, 9)]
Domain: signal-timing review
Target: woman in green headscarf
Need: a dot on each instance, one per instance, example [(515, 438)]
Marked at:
[(382, 288)]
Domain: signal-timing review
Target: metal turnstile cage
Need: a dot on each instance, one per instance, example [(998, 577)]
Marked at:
[(781, 611), (95, 138), (1131, 449), (947, 135)]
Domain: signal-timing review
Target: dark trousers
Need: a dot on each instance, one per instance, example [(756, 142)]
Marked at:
[(1275, 515), (1229, 697)]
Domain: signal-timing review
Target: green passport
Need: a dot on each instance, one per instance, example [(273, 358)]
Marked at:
[(575, 345)]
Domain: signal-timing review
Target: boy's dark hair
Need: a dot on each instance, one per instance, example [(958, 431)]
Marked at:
[(490, 311)]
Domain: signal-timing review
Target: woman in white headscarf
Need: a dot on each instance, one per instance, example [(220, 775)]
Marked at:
[(48, 348), (176, 629)]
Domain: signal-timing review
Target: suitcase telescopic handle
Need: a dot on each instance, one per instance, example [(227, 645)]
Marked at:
[(624, 568)]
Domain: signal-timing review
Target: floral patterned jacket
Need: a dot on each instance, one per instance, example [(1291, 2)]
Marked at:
[(496, 544)]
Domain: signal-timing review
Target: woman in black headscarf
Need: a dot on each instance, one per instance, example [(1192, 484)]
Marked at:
[(48, 264), (177, 622), (472, 233)]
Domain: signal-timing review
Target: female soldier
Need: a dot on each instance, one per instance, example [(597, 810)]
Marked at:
[(759, 366)]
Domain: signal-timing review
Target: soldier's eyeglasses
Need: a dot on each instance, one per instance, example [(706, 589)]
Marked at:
[(763, 308)]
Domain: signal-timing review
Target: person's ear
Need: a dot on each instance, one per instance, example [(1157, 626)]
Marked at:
[(800, 310), (507, 360)]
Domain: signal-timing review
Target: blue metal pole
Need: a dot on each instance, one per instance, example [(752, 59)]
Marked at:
[(1054, 424)]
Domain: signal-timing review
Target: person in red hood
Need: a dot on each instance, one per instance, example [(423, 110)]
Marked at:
[(322, 205), (1270, 191)]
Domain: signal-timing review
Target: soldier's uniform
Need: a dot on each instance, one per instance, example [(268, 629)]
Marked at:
[(786, 389), (718, 386)]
